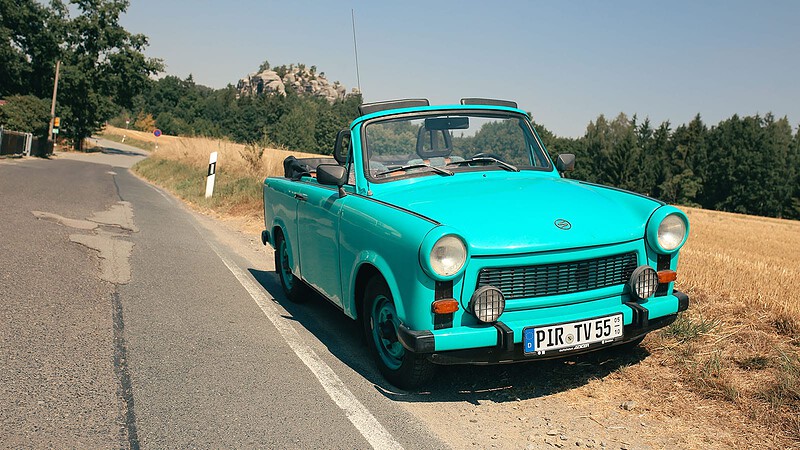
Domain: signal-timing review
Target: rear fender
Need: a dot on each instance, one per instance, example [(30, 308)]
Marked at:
[(291, 239), (278, 224)]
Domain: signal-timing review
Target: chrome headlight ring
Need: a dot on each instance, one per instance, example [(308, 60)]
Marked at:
[(443, 254), (667, 230)]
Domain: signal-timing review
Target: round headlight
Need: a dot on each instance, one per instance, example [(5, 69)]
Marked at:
[(671, 232), (643, 282), (487, 303), (448, 255)]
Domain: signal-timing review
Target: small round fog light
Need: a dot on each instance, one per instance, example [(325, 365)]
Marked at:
[(487, 304), (643, 282)]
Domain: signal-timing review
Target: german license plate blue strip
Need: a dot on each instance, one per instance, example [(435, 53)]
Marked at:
[(572, 336)]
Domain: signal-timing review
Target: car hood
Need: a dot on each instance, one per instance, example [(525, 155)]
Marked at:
[(511, 213)]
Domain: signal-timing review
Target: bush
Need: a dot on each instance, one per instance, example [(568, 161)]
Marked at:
[(26, 113)]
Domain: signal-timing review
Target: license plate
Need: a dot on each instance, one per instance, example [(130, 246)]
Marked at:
[(571, 336)]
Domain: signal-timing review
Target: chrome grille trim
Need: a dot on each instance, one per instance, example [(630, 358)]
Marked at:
[(559, 278)]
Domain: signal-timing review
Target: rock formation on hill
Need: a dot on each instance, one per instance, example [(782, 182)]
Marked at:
[(302, 80)]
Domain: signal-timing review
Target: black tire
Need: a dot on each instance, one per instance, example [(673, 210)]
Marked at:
[(294, 288), (399, 366)]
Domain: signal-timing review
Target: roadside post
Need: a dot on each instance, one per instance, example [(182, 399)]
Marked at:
[(28, 142), (56, 126), (127, 122), (212, 170), (156, 133)]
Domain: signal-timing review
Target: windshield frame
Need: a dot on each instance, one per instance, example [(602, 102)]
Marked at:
[(492, 113)]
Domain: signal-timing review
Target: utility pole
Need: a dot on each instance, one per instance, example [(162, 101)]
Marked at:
[(53, 104)]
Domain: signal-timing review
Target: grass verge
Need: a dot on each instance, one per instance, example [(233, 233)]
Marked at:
[(129, 140), (234, 195)]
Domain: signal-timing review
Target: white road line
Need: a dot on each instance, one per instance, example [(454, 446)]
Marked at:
[(369, 427), (169, 199), (358, 414)]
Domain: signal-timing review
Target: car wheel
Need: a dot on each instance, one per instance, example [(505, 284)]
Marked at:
[(400, 367), (293, 287)]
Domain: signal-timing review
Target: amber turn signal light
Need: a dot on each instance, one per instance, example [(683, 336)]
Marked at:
[(666, 276), (445, 306)]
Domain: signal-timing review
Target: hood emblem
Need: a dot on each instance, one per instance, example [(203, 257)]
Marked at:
[(563, 224)]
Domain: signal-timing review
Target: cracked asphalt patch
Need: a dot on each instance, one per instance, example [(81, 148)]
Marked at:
[(67, 222), (119, 215), (109, 228), (114, 253)]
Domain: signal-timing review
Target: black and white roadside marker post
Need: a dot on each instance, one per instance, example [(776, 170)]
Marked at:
[(212, 170)]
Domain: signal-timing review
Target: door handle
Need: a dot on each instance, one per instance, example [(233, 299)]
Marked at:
[(301, 197)]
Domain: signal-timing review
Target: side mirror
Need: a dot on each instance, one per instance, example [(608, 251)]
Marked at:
[(332, 175), (565, 162), (342, 147)]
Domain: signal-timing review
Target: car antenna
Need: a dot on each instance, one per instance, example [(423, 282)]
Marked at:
[(355, 48)]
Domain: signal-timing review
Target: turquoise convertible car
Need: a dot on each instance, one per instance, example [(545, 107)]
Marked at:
[(451, 237)]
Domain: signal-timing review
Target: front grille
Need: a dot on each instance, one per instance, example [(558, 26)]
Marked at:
[(560, 278)]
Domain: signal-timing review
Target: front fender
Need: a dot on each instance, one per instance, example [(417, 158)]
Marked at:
[(372, 258), (387, 238)]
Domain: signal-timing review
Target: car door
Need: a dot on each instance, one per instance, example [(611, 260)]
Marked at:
[(318, 213)]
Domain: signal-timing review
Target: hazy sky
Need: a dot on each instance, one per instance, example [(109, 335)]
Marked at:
[(566, 62)]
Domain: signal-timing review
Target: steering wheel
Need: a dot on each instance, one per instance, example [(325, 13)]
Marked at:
[(488, 155)]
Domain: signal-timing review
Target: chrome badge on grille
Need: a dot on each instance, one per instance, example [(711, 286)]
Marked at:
[(563, 224)]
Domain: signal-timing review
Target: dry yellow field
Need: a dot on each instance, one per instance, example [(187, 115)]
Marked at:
[(232, 157), (738, 343), (746, 259), (728, 367)]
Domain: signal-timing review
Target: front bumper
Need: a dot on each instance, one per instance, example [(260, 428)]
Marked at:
[(505, 350)]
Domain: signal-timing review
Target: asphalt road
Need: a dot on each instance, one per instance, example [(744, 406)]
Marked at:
[(128, 321)]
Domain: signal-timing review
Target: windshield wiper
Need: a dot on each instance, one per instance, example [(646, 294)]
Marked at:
[(499, 162), (416, 166)]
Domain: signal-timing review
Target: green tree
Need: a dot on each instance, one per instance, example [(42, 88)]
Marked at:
[(748, 170), (325, 131), (645, 156), (673, 162), (794, 162), (29, 46), (297, 127), (593, 143), (26, 113), (613, 153), (659, 149), (779, 164), (104, 67)]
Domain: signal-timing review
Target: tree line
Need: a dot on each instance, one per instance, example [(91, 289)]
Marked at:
[(743, 164), (293, 121)]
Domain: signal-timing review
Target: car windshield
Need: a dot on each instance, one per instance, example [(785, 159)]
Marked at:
[(452, 142)]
